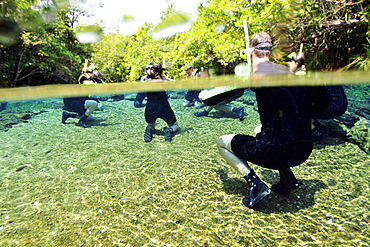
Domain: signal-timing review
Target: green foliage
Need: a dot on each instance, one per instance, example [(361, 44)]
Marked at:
[(217, 36), (110, 56), (38, 39), (331, 31), (124, 58), (41, 52), (360, 62)]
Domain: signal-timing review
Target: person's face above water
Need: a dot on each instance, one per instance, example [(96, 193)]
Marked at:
[(149, 71), (95, 73), (293, 65), (189, 71)]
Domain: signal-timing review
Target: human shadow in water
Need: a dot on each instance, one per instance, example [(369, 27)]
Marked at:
[(95, 121), (303, 197), (334, 135), (223, 114), (160, 131)]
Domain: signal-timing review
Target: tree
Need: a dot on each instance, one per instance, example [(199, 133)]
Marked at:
[(123, 58), (39, 46), (331, 31), (42, 52)]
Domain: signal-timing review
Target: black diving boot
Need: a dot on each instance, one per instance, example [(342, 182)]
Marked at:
[(167, 134), (83, 123), (66, 115), (287, 182), (240, 112), (148, 133), (258, 191)]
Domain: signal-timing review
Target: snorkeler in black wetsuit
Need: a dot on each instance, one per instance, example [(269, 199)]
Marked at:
[(329, 101), (82, 106), (157, 106), (285, 138)]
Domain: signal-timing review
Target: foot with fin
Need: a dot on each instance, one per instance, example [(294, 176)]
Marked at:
[(258, 191), (148, 133), (66, 115), (83, 123), (287, 182)]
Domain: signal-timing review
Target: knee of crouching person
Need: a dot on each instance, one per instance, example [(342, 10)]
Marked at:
[(225, 140)]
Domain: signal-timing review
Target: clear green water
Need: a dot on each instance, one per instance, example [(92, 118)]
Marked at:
[(63, 185)]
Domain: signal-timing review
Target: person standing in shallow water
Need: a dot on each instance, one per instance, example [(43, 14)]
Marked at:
[(285, 138), (157, 106)]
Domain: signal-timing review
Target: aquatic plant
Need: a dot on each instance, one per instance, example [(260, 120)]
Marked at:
[(360, 61)]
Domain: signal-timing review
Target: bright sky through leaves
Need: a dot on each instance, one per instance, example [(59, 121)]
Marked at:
[(127, 16)]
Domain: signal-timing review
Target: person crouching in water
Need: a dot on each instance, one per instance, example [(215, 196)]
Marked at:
[(83, 106), (157, 106), (285, 138)]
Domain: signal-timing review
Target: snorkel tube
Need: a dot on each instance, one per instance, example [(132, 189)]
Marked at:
[(245, 69), (85, 66), (300, 59), (218, 94)]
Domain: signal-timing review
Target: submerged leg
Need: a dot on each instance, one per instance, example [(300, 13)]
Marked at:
[(240, 112), (259, 189), (167, 134), (148, 133), (83, 123), (90, 106), (227, 108), (287, 182), (169, 131), (204, 113), (66, 115)]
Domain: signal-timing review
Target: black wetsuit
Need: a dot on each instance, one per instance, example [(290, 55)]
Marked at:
[(157, 106), (138, 102), (335, 101), (76, 104), (193, 95), (285, 114)]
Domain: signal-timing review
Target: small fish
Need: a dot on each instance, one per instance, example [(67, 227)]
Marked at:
[(21, 167)]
